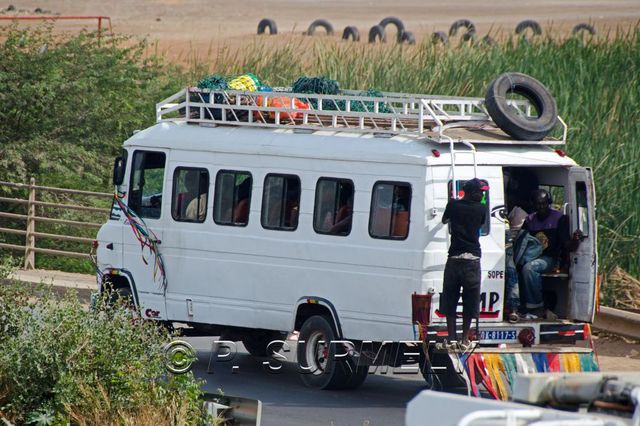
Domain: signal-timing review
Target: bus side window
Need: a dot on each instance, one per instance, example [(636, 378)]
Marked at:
[(390, 210), (280, 202), (333, 211), (147, 181), (232, 201), (190, 194)]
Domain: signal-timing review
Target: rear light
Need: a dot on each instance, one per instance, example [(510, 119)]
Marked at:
[(94, 244), (435, 153), (421, 313), (473, 335), (421, 308), (561, 153), (527, 337)]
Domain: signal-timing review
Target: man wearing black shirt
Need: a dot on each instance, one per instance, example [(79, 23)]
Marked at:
[(463, 264)]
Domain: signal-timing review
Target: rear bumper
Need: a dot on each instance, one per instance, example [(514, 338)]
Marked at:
[(504, 332)]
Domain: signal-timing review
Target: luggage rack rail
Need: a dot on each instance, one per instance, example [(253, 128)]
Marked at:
[(350, 111)]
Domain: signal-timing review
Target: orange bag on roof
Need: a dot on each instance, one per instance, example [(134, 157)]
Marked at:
[(281, 102)]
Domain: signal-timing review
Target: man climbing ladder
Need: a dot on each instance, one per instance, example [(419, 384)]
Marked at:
[(463, 264)]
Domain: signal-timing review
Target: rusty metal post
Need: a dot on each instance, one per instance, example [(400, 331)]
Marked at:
[(30, 239), (99, 29)]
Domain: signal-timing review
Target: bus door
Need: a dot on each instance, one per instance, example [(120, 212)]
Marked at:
[(583, 263), (147, 207)]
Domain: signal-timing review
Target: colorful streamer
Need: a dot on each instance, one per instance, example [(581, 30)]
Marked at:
[(497, 371), (146, 238)]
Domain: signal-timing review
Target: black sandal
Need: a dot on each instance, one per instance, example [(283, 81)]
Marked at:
[(513, 317)]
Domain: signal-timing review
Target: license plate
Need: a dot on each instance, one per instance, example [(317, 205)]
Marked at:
[(498, 335)]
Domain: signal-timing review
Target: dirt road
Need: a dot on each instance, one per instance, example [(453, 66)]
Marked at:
[(179, 25)]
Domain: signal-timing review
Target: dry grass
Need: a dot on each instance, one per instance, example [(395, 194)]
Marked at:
[(97, 409), (625, 287)]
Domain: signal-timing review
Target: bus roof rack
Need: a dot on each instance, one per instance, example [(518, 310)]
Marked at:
[(438, 118)]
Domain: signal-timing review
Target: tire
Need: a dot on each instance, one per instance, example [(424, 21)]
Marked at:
[(395, 21), (121, 295), (408, 37), (377, 32), (518, 127), (488, 41), (351, 32), (267, 23), (257, 343), (439, 37), (453, 30), (583, 27), (320, 23), (469, 36), (124, 296), (317, 360), (528, 24)]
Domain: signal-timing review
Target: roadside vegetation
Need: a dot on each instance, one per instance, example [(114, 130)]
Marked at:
[(61, 363), (69, 102)]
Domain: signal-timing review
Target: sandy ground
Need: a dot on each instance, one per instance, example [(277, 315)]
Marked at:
[(617, 353), (179, 25)]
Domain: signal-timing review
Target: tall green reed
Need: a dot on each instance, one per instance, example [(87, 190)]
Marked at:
[(594, 80)]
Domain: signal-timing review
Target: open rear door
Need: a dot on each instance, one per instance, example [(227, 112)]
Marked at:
[(584, 265)]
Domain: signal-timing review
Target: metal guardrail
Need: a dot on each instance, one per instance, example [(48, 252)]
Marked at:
[(31, 219), (619, 322)]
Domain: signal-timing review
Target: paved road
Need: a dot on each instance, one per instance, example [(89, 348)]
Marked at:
[(381, 400)]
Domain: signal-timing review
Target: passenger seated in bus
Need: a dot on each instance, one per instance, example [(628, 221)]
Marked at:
[(292, 206), (551, 228), (241, 210), (400, 218), (197, 208), (515, 220), (344, 216), (184, 198)]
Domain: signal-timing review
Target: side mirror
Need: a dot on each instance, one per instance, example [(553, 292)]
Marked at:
[(118, 170)]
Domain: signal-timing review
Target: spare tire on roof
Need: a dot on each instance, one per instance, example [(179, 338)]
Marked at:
[(508, 119), (377, 32), (395, 21), (320, 23), (267, 23), (453, 30), (351, 32), (526, 24), (583, 27)]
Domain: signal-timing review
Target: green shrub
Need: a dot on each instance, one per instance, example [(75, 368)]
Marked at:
[(60, 363)]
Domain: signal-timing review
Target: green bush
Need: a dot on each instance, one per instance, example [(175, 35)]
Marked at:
[(61, 363), (68, 103)]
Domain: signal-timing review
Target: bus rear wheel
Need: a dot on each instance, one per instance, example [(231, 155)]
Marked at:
[(324, 362)]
